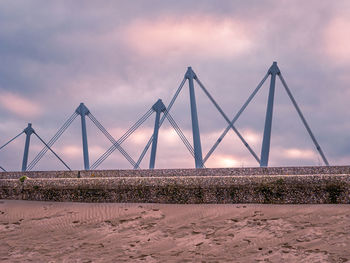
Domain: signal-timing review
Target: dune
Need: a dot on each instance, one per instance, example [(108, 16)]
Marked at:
[(117, 232)]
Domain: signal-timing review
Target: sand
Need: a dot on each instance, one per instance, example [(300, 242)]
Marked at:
[(110, 232)]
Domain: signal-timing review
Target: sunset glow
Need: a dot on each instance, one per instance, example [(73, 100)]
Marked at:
[(195, 36)]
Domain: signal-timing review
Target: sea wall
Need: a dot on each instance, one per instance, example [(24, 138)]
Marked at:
[(282, 185), (307, 170)]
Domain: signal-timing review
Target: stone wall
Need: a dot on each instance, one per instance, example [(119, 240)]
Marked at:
[(288, 185)]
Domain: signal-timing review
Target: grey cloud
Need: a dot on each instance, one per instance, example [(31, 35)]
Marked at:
[(62, 53)]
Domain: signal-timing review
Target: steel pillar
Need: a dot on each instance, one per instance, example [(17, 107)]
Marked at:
[(28, 131), (82, 110), (265, 150), (158, 107), (190, 75)]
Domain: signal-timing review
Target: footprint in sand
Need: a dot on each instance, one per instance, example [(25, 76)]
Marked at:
[(10, 226)]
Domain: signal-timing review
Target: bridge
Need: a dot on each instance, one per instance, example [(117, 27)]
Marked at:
[(162, 113)]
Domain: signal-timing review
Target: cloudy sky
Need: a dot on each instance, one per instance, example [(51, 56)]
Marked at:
[(119, 57)]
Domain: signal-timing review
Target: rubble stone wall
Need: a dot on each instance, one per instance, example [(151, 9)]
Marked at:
[(282, 185)]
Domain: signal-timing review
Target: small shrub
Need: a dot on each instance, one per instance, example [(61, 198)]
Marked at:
[(23, 178)]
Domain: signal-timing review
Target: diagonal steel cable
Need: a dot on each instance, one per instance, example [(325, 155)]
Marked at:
[(318, 147), (105, 155), (231, 123), (161, 122), (180, 133), (52, 151), (58, 134), (124, 137), (111, 139), (14, 138), (143, 153)]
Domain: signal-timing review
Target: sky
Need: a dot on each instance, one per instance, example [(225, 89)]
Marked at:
[(120, 57)]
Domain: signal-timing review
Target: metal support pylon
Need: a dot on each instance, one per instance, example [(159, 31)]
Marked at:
[(28, 131), (265, 150), (158, 107), (190, 75), (82, 110)]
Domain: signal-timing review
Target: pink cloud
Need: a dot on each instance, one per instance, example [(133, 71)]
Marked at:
[(337, 39), (294, 153), (223, 160), (207, 36), (252, 137), (19, 106), (239, 159)]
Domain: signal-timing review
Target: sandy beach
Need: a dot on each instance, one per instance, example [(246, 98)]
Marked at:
[(112, 232)]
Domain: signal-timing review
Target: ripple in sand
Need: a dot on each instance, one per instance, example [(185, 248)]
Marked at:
[(154, 232)]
